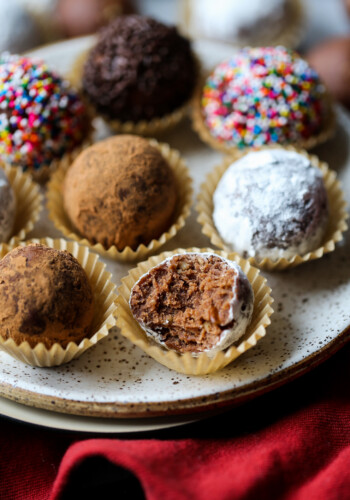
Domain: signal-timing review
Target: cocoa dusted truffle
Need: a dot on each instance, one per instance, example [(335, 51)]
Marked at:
[(45, 296), (331, 59), (271, 203), (120, 191), (193, 302), (140, 69)]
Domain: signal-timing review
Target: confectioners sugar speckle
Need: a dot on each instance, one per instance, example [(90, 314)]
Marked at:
[(261, 203)]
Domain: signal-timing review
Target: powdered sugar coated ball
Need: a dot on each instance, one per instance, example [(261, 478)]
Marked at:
[(271, 203)]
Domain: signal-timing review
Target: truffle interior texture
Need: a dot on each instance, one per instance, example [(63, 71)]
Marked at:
[(187, 301)]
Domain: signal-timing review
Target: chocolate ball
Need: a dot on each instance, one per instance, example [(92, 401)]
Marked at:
[(45, 296), (140, 69), (331, 59), (121, 192)]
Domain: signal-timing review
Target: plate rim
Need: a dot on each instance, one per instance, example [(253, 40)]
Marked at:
[(195, 405), (229, 397)]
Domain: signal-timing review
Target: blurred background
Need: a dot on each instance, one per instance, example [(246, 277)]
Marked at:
[(40, 21), (320, 29)]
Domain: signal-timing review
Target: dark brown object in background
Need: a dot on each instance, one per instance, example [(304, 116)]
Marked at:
[(82, 17), (331, 59)]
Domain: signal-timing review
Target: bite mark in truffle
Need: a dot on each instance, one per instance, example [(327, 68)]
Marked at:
[(193, 303)]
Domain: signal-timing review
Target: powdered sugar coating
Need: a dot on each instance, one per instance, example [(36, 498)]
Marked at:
[(271, 203), (264, 95), (234, 20), (241, 306), (7, 207)]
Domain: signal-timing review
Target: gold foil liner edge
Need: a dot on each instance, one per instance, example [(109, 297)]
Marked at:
[(337, 213), (184, 184), (103, 321), (186, 363), (28, 202)]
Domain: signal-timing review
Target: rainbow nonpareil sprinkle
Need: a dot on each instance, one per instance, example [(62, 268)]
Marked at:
[(41, 118), (263, 96)]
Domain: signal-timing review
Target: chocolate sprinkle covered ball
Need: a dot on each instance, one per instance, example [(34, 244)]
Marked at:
[(140, 69), (271, 203), (45, 296), (41, 118), (120, 191)]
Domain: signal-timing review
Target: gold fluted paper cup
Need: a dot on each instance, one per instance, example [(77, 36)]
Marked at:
[(337, 213), (28, 202), (184, 188), (103, 320), (201, 364)]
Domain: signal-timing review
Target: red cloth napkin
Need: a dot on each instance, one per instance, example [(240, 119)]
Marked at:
[(293, 443)]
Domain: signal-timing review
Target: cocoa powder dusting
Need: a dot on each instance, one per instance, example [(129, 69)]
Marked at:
[(121, 192), (45, 296)]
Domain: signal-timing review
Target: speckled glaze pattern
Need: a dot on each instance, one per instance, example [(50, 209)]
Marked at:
[(116, 379)]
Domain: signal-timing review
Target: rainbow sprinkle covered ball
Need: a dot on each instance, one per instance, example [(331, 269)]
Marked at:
[(264, 96), (41, 118)]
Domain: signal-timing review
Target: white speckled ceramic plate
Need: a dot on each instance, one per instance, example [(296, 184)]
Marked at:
[(116, 379)]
